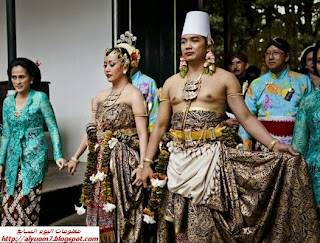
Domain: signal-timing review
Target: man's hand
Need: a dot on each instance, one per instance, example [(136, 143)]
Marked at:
[(142, 175), (72, 165), (278, 147), (232, 122)]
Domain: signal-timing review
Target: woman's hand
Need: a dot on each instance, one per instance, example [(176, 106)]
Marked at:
[(278, 147), (138, 174), (72, 166), (61, 163)]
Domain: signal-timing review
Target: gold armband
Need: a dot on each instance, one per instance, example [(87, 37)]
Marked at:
[(272, 143), (146, 115), (163, 100), (234, 94)]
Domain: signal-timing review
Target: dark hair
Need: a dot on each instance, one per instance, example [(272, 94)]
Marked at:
[(254, 69), (316, 49), (280, 43), (240, 56), (122, 52), (303, 60), (31, 68)]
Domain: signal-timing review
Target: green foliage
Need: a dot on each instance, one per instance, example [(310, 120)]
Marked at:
[(253, 23)]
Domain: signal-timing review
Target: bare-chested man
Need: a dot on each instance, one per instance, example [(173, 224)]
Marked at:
[(215, 193)]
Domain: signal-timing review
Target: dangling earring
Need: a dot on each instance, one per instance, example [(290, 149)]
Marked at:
[(209, 64), (31, 82), (183, 67)]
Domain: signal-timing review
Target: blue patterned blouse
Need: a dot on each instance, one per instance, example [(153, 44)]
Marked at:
[(23, 140), (148, 88), (306, 137)]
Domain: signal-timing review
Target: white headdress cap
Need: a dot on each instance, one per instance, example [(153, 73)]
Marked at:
[(197, 22)]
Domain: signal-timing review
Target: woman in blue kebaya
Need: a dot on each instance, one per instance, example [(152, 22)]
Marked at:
[(306, 135), (24, 149)]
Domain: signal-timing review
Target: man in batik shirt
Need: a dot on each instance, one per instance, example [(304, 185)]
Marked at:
[(144, 83), (275, 96)]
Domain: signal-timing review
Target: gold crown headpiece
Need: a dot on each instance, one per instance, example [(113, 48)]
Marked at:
[(128, 38), (128, 41)]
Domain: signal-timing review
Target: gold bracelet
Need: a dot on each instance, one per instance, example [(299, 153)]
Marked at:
[(74, 159), (148, 161), (273, 142)]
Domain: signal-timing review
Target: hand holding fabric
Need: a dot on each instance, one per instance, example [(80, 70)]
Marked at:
[(284, 148)]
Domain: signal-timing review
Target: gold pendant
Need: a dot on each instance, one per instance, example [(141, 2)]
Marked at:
[(191, 88), (189, 95)]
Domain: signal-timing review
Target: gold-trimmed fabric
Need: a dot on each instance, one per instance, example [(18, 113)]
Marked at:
[(234, 94), (125, 223), (258, 193), (253, 193), (198, 108), (210, 133), (194, 173)]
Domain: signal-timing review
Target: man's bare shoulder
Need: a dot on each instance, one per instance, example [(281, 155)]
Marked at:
[(172, 79), (223, 74)]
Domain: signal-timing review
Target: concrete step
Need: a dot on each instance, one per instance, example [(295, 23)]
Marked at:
[(73, 219), (60, 193)]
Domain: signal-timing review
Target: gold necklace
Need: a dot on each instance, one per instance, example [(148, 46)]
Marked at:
[(17, 113), (191, 88), (113, 97)]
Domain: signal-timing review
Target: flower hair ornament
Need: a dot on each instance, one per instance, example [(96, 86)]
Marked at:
[(128, 42), (209, 66), (37, 63), (183, 67)]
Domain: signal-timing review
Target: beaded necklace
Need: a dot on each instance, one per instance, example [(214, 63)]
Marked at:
[(113, 97)]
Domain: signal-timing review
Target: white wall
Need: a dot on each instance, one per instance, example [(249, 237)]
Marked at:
[(69, 38)]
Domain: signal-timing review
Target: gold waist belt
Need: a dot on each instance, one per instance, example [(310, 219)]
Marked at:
[(114, 133), (187, 134)]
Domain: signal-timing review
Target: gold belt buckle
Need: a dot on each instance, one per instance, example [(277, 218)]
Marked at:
[(211, 132), (187, 135)]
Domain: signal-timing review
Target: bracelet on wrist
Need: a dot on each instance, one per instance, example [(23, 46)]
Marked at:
[(75, 160), (273, 143), (147, 161)]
